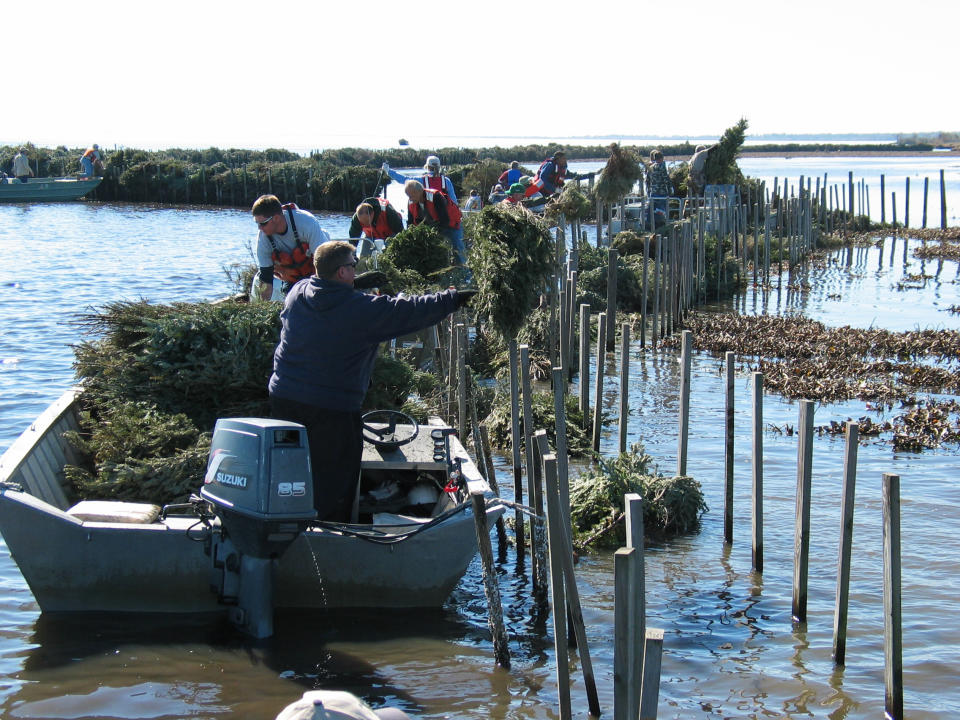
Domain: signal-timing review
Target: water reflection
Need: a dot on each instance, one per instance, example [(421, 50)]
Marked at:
[(730, 649)]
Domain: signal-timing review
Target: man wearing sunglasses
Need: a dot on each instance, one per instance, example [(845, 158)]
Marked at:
[(322, 366), (286, 242)]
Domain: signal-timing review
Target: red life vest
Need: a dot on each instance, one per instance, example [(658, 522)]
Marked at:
[(453, 212), (296, 264), (433, 182), (380, 230), (555, 179)]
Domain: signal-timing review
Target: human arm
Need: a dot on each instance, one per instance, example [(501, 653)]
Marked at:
[(308, 227), (546, 173), (386, 317), (440, 205), (266, 283), (394, 220), (394, 175), (448, 189), (356, 229)]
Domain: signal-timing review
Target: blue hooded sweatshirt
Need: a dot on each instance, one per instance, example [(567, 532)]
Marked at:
[(329, 338)]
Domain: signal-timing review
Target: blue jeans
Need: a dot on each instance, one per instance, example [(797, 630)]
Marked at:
[(455, 236)]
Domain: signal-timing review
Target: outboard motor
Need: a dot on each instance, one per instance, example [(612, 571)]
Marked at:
[(260, 485)]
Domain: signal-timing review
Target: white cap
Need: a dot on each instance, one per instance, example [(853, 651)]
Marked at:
[(432, 162), (335, 705)]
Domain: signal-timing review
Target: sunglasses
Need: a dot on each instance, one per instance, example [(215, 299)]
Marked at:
[(264, 222), (349, 264)]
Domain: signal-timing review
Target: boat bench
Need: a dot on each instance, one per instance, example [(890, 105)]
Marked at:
[(114, 511)]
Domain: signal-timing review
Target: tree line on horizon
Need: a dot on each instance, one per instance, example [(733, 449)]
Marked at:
[(332, 180)]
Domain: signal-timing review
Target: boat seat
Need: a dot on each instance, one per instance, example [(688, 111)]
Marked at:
[(114, 511)]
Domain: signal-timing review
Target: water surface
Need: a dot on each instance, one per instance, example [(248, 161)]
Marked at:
[(730, 648)]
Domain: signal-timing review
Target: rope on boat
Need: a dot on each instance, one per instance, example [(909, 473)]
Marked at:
[(370, 534)]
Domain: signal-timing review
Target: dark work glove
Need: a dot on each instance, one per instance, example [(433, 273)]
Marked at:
[(464, 297), (371, 279)]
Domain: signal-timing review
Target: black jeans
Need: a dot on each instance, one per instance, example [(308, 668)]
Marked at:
[(336, 445)]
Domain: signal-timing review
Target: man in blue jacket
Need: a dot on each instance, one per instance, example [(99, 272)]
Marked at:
[(322, 365)]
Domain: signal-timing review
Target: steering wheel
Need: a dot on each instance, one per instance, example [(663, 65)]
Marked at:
[(380, 428)]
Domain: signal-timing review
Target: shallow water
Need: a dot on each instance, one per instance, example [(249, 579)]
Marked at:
[(730, 648)]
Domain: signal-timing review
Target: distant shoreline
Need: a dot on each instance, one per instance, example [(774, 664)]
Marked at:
[(850, 153), (827, 153)]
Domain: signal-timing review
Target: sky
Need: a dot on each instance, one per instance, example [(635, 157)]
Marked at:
[(319, 74)]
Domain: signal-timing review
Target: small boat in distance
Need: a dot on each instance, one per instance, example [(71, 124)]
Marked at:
[(49, 189)]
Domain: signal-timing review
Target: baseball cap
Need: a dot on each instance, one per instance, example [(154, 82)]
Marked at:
[(335, 705)]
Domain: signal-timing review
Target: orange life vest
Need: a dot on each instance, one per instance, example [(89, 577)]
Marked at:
[(453, 212), (296, 264), (380, 230), (556, 179)]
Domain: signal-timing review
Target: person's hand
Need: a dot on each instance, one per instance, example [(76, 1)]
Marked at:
[(464, 297), (371, 279), (385, 167)]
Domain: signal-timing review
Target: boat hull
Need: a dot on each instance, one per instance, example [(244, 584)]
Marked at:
[(61, 189), (164, 566)]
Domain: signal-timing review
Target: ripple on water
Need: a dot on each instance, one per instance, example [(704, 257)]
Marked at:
[(730, 647)]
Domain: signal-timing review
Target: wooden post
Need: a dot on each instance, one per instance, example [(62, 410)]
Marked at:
[(599, 220), (564, 326), (515, 442), (598, 387), (612, 256), (560, 430), (572, 320), (906, 205), (585, 364), (926, 188), (656, 290), (846, 543), (462, 381), (801, 536), (624, 649), (530, 465), (452, 365), (557, 549), (492, 481), (728, 451), (943, 203), (572, 594), (624, 383), (850, 191), (501, 649), (883, 200), (652, 657), (643, 292), (757, 461), (633, 509), (684, 430), (892, 620)]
